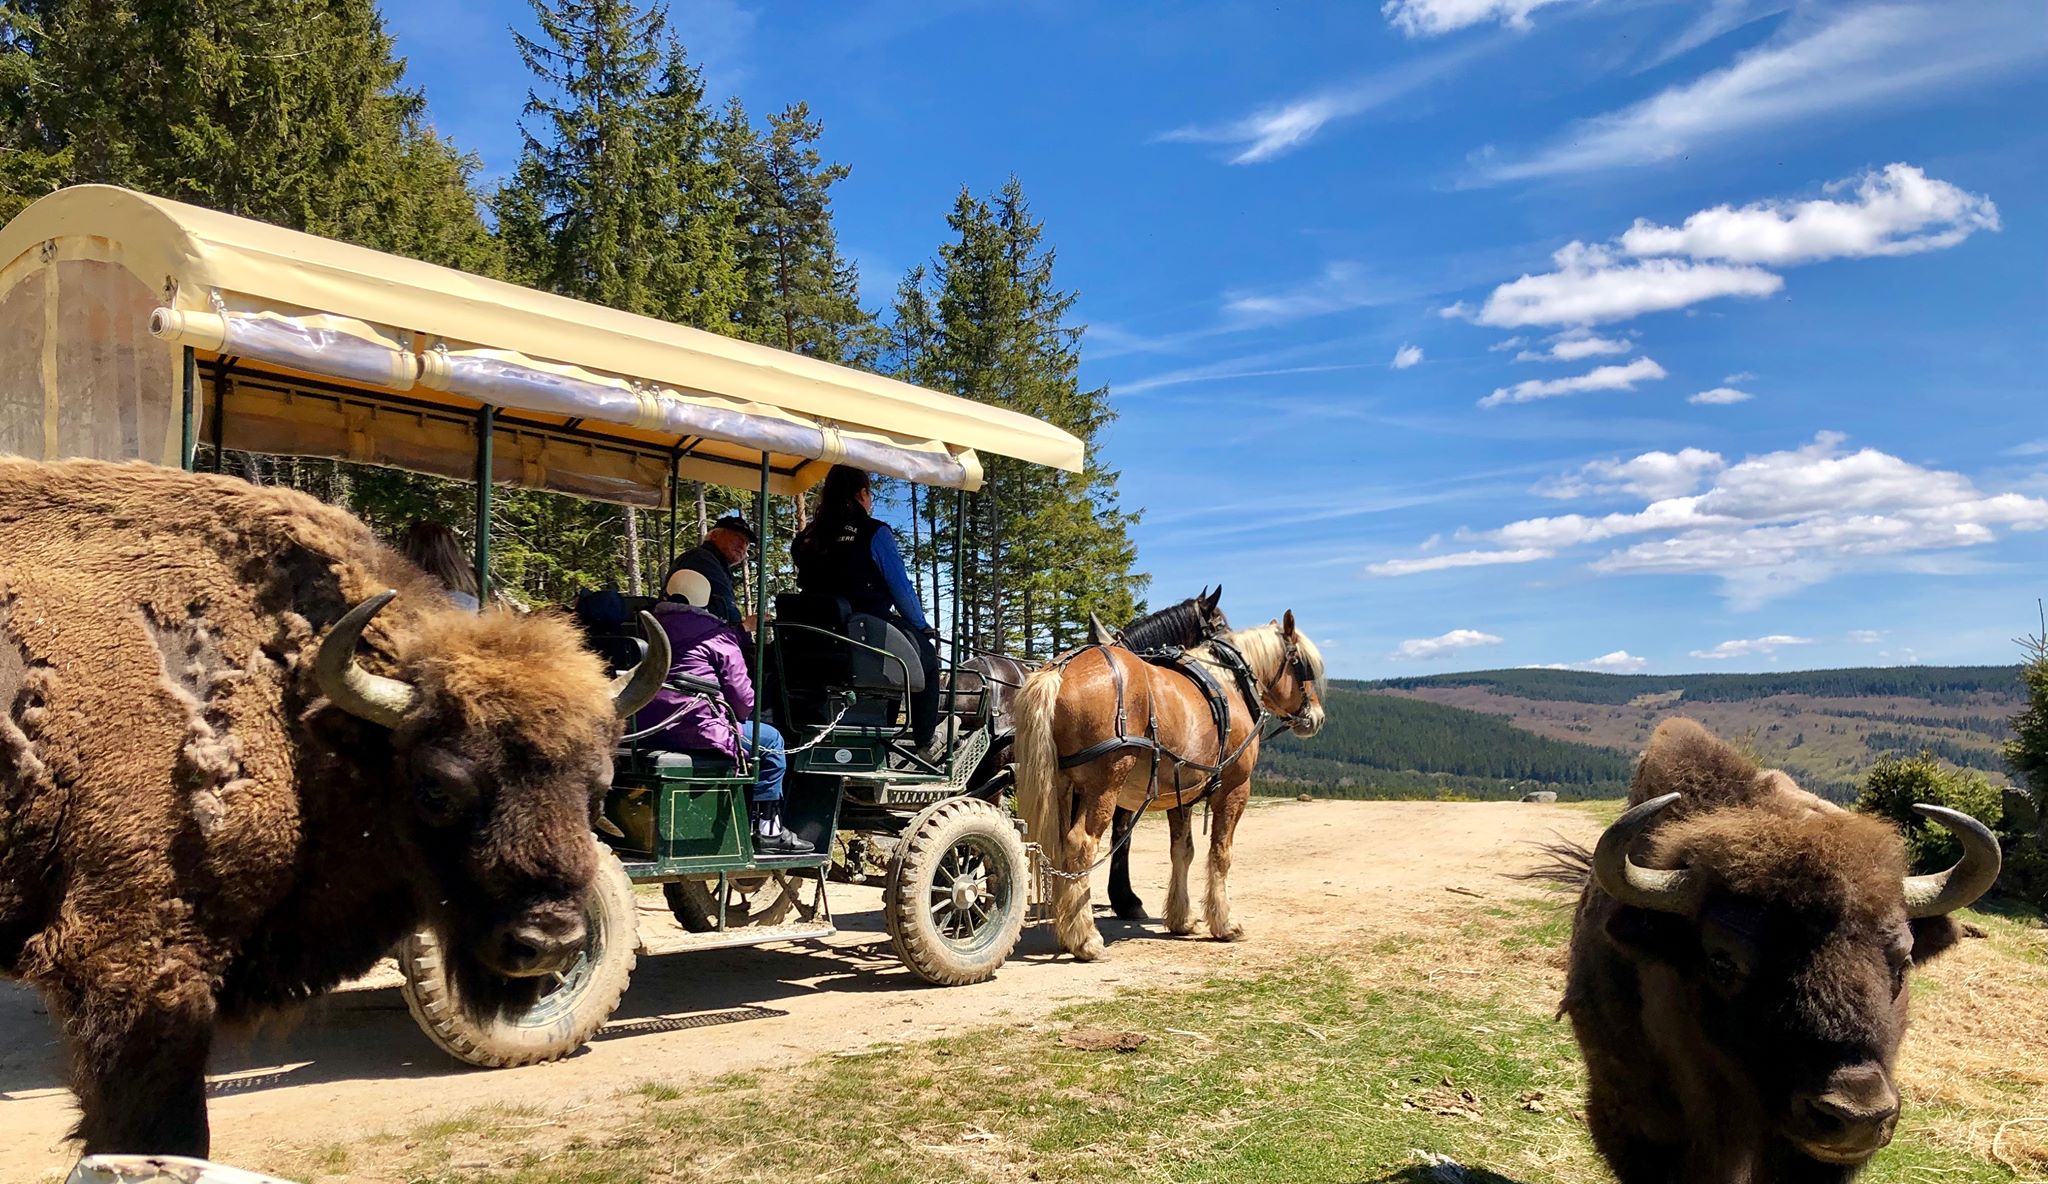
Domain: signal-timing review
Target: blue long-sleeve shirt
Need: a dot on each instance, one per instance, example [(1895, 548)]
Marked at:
[(890, 560)]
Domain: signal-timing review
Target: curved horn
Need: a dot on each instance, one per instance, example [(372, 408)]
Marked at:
[(1665, 891), (350, 687), (1970, 878), (632, 690)]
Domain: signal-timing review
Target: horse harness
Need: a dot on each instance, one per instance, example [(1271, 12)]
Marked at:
[(1213, 693)]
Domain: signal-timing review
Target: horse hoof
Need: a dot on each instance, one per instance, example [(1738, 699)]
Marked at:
[(1234, 933), (1133, 910), (1092, 952)]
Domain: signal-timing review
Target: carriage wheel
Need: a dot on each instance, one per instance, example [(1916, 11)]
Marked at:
[(749, 901), (956, 895), (562, 1020)]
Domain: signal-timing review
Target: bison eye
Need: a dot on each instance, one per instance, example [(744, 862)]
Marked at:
[(443, 787)]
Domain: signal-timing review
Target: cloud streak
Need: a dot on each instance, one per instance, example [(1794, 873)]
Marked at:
[(1441, 646), (1744, 647), (1602, 378), (1860, 58), (1274, 131)]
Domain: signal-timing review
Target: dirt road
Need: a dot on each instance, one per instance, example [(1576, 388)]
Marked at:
[(1307, 875)]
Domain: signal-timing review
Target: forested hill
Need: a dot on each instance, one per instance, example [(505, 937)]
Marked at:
[(1500, 733), (1947, 685)]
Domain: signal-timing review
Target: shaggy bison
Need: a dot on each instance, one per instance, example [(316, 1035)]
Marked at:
[(1740, 993), (244, 749)]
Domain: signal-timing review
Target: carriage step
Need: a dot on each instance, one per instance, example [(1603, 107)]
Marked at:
[(750, 935)]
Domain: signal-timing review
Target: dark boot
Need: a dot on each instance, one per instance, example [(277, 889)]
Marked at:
[(771, 838)]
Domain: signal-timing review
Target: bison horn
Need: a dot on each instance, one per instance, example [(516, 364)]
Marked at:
[(1659, 889), (635, 688), (1971, 877), (350, 687)]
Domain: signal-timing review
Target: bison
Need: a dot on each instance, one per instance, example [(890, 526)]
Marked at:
[(245, 748), (1738, 985)]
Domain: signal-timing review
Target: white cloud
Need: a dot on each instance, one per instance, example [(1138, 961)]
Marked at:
[(1341, 286), (1406, 356), (1858, 58), (1498, 347), (1899, 211), (1740, 376), (1573, 346), (1277, 130), (1442, 646), (1774, 523), (1618, 662), (1653, 475), (1720, 396), (1409, 567), (1724, 251), (1430, 18), (2030, 448), (1591, 287), (1603, 378), (1743, 647), (1866, 636)]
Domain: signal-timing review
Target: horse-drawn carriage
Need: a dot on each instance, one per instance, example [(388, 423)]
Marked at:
[(137, 328), (164, 332)]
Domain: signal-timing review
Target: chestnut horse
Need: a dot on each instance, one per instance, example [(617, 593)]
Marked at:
[(1103, 728)]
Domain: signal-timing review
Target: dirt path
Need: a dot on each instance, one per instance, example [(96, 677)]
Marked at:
[(1307, 875)]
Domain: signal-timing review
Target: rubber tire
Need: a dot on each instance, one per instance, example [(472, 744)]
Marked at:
[(505, 1042), (696, 909), (906, 895)]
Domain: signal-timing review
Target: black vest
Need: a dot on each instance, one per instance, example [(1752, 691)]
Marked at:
[(842, 564)]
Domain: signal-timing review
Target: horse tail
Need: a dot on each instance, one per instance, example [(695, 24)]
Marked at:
[(1039, 800)]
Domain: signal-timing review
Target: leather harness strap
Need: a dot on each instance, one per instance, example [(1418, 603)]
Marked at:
[(1219, 708)]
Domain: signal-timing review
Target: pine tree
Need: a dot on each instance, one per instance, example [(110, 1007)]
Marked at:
[(1045, 548)]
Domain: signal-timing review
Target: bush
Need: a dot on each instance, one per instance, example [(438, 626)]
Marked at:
[(1896, 782), (2026, 833)]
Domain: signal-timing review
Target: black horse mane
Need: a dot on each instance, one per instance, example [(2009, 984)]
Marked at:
[(1180, 625)]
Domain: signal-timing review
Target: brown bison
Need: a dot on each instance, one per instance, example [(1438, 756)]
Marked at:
[(211, 804), (1738, 986)]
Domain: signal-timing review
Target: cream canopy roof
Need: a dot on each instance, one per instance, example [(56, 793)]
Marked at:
[(203, 261)]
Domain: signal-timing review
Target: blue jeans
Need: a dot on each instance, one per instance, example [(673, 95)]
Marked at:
[(769, 762)]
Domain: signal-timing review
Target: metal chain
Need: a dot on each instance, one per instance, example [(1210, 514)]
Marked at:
[(824, 730)]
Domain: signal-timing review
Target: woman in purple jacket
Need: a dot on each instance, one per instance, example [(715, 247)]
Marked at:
[(707, 648)]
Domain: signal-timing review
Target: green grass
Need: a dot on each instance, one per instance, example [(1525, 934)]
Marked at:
[(1350, 1066)]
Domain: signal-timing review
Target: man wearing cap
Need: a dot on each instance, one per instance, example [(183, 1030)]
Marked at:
[(724, 547)]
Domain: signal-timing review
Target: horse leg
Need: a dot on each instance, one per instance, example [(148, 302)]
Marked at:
[(1180, 912), (1121, 898), (1228, 807), (1073, 912), (138, 1052)]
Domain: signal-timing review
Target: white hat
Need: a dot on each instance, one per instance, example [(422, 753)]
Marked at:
[(688, 586)]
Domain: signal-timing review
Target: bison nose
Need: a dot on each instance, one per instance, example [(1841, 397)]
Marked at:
[(1852, 1117), (526, 948)]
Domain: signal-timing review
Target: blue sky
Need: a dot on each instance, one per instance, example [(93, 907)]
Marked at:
[(1638, 336)]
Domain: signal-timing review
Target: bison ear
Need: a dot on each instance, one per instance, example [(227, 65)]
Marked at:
[(1934, 935)]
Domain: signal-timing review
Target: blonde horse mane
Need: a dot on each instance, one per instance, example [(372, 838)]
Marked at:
[(1264, 650)]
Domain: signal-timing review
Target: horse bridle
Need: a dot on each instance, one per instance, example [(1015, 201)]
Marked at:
[(1309, 701)]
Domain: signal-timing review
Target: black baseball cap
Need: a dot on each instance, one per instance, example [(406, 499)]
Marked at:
[(739, 526)]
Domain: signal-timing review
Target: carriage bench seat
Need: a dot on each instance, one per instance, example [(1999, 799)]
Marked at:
[(840, 665), (686, 764)]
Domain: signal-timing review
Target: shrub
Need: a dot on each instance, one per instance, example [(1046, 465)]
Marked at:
[(1896, 782), (2026, 833)]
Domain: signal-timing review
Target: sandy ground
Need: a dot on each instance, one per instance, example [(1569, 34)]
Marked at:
[(1307, 875)]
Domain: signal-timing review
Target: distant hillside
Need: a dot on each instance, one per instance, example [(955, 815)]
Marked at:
[(1947, 685), (1498, 733), (1378, 745)]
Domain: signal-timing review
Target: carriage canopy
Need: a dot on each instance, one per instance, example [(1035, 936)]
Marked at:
[(134, 327)]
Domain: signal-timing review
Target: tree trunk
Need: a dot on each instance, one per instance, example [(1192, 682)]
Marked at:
[(703, 523), (633, 580)]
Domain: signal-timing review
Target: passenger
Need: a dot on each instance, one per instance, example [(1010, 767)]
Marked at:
[(724, 548), (711, 649), (434, 549), (847, 552)]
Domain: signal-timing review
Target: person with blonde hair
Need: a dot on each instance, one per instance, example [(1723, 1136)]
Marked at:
[(434, 549)]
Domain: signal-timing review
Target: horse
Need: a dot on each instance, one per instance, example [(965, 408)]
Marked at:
[(1077, 762), (1194, 620)]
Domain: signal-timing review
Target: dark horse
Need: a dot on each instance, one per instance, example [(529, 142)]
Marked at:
[(1179, 626)]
